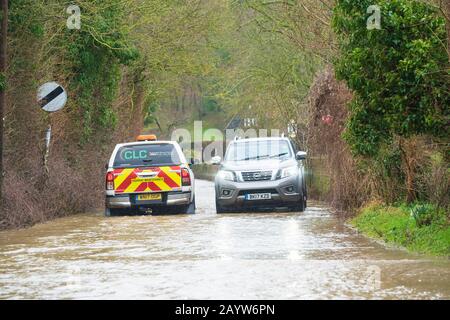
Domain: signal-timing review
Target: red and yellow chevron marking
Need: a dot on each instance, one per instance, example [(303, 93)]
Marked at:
[(140, 180)]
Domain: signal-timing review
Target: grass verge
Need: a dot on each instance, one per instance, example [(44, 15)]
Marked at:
[(420, 228)]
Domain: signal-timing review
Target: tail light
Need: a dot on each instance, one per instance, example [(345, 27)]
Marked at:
[(185, 177), (110, 181)]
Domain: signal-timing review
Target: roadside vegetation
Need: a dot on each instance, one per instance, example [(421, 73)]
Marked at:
[(421, 228)]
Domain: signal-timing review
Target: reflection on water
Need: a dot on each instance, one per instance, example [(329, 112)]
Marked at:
[(245, 256)]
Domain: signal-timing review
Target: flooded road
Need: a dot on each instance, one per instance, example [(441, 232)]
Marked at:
[(205, 256)]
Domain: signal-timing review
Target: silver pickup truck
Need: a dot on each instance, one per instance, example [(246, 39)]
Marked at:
[(260, 173)]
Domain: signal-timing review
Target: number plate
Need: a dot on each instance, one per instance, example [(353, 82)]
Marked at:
[(149, 197), (258, 196), (148, 179)]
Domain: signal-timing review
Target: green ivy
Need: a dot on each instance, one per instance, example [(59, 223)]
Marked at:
[(25, 17), (97, 55)]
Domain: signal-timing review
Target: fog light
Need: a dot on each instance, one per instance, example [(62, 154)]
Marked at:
[(226, 193), (290, 189)]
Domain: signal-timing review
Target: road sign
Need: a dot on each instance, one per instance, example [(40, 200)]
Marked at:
[(51, 97)]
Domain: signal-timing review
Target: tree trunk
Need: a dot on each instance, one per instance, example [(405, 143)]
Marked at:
[(411, 194), (3, 62), (408, 149), (159, 125), (138, 121)]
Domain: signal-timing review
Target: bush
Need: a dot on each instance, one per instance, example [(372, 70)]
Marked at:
[(399, 77), (433, 181), (66, 191), (423, 214)]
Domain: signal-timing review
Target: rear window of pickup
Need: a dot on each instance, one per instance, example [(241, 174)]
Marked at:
[(147, 155)]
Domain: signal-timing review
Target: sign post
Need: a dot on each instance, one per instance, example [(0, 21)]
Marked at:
[(51, 97)]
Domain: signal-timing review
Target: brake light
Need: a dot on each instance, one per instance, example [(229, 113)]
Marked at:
[(185, 177), (110, 181)]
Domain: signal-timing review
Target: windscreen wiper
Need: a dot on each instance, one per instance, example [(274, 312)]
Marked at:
[(254, 158), (279, 155)]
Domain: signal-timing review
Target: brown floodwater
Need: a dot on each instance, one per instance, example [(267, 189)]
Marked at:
[(310, 255)]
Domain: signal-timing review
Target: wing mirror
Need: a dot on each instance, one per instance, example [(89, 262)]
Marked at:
[(215, 161), (301, 155)]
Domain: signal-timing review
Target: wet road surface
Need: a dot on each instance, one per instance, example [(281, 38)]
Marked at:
[(310, 255)]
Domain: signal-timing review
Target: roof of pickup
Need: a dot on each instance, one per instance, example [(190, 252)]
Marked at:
[(261, 139), (137, 143)]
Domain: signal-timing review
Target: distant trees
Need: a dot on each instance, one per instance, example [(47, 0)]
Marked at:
[(399, 75), (286, 43)]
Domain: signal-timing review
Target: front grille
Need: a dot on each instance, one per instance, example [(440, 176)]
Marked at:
[(256, 175)]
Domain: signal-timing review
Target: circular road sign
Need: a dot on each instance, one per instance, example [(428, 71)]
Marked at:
[(51, 97)]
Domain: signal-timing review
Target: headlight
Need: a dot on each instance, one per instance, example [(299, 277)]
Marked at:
[(226, 175), (288, 172)]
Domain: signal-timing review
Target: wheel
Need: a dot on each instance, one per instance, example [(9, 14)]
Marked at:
[(300, 207), (220, 209), (112, 212), (190, 209), (305, 199)]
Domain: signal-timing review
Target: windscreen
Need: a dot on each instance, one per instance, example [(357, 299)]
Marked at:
[(147, 155), (258, 150)]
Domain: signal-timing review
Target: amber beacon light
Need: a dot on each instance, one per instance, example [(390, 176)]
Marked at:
[(147, 137)]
